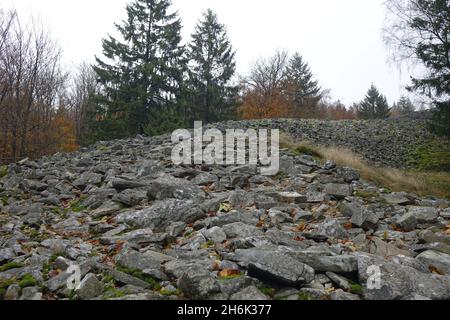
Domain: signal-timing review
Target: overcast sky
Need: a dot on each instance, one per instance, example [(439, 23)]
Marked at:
[(340, 39)]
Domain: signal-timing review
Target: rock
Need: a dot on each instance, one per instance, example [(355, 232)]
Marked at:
[(275, 266), (31, 293), (249, 294), (340, 295), (397, 198), (198, 284), (341, 282), (123, 184), (407, 222), (140, 261), (348, 209), (229, 265), (88, 178), (131, 197), (162, 213), (125, 278), (332, 229), (90, 287), (12, 293), (149, 168), (348, 174), (315, 197), (215, 234), (60, 281), (381, 248), (338, 264), (436, 260), (303, 215), (338, 191), (62, 263), (424, 214), (399, 282), (33, 219), (360, 216), (106, 209), (241, 198), (429, 236), (6, 254), (291, 197), (436, 246), (277, 217), (170, 187), (240, 229)]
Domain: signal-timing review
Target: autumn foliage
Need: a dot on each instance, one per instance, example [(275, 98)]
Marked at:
[(35, 119), (284, 87)]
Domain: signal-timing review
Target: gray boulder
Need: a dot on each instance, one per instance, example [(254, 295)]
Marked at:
[(162, 213), (435, 259), (274, 266)]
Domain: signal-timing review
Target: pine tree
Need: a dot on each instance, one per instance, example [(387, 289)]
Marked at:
[(374, 105), (212, 66), (303, 91), (404, 106), (143, 72), (420, 30)]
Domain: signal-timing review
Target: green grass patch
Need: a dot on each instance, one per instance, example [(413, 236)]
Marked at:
[(169, 293), (365, 194), (434, 156), (356, 289), (112, 293), (27, 281), (267, 291), (140, 275), (76, 206), (10, 265), (303, 296), (3, 171)]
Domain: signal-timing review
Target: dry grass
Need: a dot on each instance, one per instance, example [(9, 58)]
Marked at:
[(422, 183)]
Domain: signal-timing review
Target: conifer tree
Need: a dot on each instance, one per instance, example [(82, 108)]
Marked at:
[(303, 91), (212, 66), (141, 73), (374, 105)]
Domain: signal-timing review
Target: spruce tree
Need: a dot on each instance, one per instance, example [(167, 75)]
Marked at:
[(374, 105), (142, 72), (304, 92), (212, 66), (420, 30), (404, 106)]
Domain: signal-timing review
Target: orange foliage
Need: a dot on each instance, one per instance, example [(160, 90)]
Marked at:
[(259, 106), (64, 134), (45, 137)]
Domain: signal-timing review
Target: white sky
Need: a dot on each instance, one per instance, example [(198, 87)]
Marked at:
[(340, 39)]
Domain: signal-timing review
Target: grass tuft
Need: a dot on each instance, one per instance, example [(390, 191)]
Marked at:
[(422, 183), (3, 171)]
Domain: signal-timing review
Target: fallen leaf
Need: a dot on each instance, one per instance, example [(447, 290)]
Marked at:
[(229, 272), (225, 207), (348, 226), (436, 271)]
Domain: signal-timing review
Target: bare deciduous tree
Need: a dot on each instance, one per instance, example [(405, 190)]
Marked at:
[(32, 83), (83, 88)]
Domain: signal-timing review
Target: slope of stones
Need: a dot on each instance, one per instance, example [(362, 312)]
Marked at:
[(139, 227), (381, 142)]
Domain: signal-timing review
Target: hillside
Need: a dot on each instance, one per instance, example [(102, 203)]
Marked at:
[(141, 228), (394, 142)]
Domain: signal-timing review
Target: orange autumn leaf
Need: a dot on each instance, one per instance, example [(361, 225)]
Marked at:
[(228, 273)]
